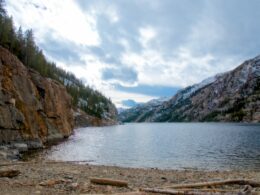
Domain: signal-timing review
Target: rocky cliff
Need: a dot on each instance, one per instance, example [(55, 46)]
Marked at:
[(33, 109), (232, 96)]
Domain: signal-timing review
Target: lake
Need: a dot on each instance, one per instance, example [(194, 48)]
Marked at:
[(207, 146)]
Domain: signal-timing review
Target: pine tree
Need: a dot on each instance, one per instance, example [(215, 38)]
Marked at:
[(2, 10), (30, 48), (20, 45), (7, 33)]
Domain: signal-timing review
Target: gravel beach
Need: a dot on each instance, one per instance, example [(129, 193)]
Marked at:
[(50, 177)]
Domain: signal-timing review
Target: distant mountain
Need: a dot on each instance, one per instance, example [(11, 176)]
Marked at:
[(129, 103), (231, 96), (140, 111)]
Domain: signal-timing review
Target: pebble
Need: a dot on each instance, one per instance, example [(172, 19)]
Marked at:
[(68, 177), (164, 178), (21, 147), (74, 186)]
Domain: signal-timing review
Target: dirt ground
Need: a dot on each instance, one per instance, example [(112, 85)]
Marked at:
[(49, 177)]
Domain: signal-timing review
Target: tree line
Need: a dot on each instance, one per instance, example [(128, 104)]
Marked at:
[(22, 44)]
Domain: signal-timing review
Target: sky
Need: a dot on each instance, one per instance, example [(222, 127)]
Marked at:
[(138, 50)]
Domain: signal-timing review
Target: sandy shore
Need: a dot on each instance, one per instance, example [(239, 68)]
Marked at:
[(45, 177)]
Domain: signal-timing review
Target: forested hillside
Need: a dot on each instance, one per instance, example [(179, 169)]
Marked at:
[(22, 44)]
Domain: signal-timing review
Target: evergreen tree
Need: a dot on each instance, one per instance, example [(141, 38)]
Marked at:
[(20, 45), (30, 48), (7, 32), (2, 10)]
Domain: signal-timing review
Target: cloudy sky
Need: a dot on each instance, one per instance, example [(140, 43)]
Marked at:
[(142, 49)]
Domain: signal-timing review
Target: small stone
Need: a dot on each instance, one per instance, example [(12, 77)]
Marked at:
[(3, 154), (3, 148), (164, 178), (109, 188), (35, 144), (21, 147), (74, 186), (13, 154), (68, 177)]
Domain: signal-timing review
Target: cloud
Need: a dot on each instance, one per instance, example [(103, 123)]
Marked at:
[(142, 49), (64, 18), (147, 34), (155, 91), (124, 75), (62, 50)]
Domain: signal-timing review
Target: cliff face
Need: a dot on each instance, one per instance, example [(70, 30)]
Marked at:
[(33, 109), (232, 96)]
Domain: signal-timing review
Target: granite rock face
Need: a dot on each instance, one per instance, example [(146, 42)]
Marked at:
[(33, 109)]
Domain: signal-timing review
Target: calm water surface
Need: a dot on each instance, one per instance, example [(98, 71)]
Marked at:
[(221, 146)]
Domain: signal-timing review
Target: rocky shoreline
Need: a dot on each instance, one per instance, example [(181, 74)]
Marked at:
[(52, 177)]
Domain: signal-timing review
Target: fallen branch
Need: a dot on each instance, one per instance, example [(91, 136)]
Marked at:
[(16, 163), (105, 181), (131, 193), (23, 184), (184, 192), (209, 190), (70, 161), (52, 182), (217, 183), (47, 162), (9, 173)]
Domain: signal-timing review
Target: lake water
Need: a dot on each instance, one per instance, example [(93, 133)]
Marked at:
[(210, 146)]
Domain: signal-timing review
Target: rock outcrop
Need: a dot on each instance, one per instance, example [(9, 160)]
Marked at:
[(231, 96), (33, 109)]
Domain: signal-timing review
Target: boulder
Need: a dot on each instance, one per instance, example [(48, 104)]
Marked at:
[(21, 147)]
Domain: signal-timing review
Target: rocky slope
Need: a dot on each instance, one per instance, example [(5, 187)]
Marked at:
[(232, 96), (82, 119), (139, 112)]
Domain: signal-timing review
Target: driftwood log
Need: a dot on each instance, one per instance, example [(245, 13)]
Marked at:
[(11, 164), (106, 181), (184, 192), (52, 182), (9, 173), (206, 190), (47, 162), (245, 191), (217, 183)]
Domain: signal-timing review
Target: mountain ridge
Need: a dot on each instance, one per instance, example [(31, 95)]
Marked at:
[(229, 96)]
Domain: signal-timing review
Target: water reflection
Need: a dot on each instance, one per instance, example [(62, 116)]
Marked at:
[(166, 145)]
